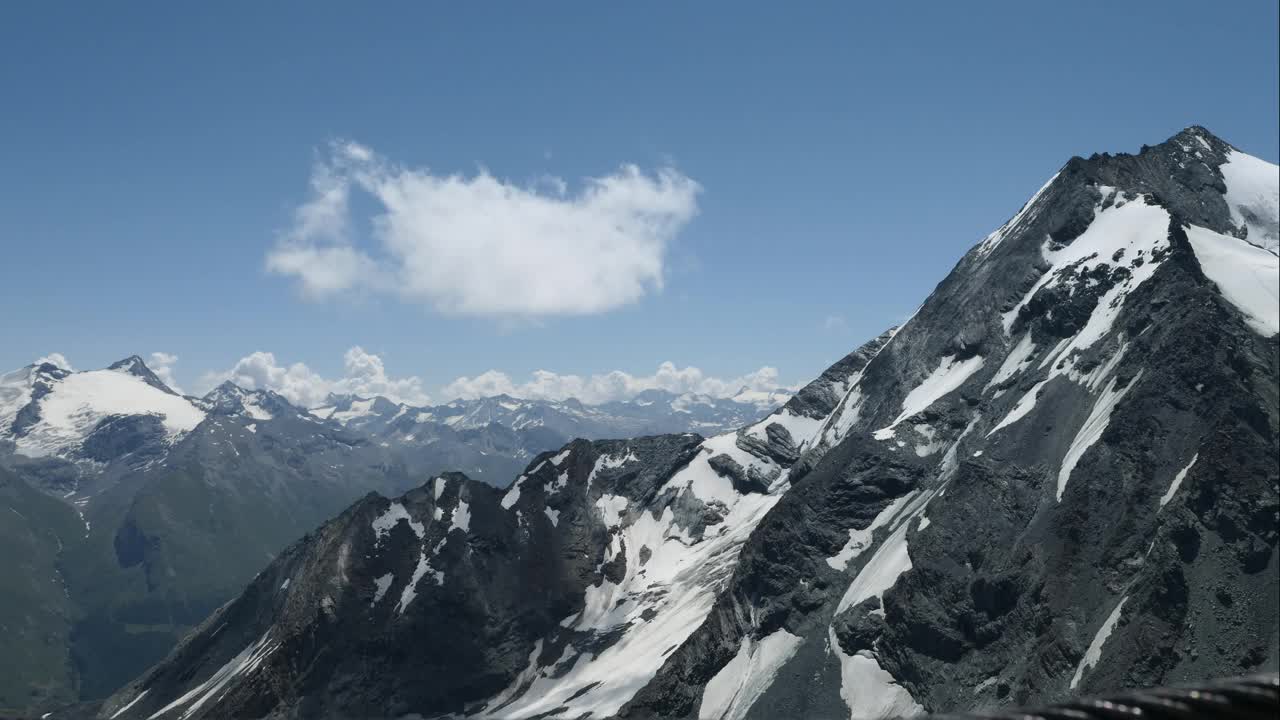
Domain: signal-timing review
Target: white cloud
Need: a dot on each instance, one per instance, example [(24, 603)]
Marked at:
[(481, 245), (161, 363), (834, 323), (55, 359), (261, 371), (324, 270), (607, 387), (364, 375)]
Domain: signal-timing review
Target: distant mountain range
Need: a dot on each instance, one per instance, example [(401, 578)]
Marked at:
[(648, 413), (134, 512)]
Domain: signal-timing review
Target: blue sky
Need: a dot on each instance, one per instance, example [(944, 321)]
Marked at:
[(155, 155)]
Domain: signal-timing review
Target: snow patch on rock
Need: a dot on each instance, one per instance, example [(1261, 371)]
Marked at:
[(1248, 277), (945, 379), (657, 604), (860, 540), (1132, 230), (1253, 196), (381, 585), (1094, 652), (1092, 429), (391, 517), (1177, 481), (733, 690), (868, 690), (244, 663)]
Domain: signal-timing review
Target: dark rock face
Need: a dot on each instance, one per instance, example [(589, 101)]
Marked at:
[(120, 435), (1058, 476), (43, 376), (375, 582), (592, 551)]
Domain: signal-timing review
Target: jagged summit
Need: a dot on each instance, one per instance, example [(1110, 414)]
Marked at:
[(1200, 179), (1187, 140), (135, 366), (46, 370), (1192, 132), (48, 411), (129, 364), (49, 363), (231, 399)]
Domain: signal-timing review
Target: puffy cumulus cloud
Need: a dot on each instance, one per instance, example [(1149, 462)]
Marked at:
[(161, 363), (364, 375), (607, 387), (260, 371), (481, 245), (324, 270), (57, 359)]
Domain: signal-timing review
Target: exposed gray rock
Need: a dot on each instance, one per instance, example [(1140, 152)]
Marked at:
[(136, 367)]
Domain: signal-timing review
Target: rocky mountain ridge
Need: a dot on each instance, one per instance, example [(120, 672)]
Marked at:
[(176, 501), (1058, 476), (567, 521)]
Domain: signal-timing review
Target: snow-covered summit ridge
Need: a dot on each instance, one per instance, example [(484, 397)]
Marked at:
[(1201, 178), (46, 410), (1253, 195), (1250, 185), (1227, 202)]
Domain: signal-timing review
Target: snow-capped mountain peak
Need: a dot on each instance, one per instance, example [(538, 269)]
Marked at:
[(1250, 186), (50, 411), (231, 399), (135, 366), (360, 413)]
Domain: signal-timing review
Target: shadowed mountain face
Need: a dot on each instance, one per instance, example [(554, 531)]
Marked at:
[(174, 503), (535, 568), (1058, 476)]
